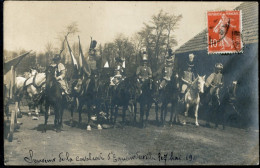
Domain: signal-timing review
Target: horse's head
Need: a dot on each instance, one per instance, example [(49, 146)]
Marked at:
[(27, 75), (33, 72), (233, 88), (201, 83), (50, 74)]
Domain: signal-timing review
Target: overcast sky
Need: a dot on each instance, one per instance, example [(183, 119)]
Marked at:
[(31, 25)]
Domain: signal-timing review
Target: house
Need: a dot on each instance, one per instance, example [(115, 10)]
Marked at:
[(242, 67)]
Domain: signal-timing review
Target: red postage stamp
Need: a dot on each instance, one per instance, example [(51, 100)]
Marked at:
[(224, 32)]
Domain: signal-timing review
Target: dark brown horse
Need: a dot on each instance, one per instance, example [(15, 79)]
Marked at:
[(53, 97), (145, 99), (170, 95), (120, 96), (85, 92)]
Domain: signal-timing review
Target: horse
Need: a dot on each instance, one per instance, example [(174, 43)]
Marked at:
[(144, 98), (85, 92), (53, 97), (224, 106), (169, 94), (119, 96), (192, 97), (31, 87)]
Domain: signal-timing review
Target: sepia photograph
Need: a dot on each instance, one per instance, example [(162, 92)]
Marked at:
[(130, 83)]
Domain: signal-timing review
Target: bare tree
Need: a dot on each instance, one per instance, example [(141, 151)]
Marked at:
[(49, 51), (171, 24), (157, 36), (72, 28)]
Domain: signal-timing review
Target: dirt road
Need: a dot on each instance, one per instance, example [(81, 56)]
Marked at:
[(130, 145)]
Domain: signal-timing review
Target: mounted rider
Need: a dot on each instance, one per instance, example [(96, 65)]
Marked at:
[(168, 69), (143, 72), (188, 76), (93, 59), (93, 63), (215, 81), (119, 73), (60, 74), (119, 65)]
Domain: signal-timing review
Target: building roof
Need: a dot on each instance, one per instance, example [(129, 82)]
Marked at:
[(249, 29)]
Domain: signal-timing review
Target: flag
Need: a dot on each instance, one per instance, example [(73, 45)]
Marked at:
[(123, 64), (106, 65), (74, 61), (83, 65), (14, 62)]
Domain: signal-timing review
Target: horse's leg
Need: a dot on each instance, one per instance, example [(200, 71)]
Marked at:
[(148, 108), (107, 111), (99, 119), (57, 116), (115, 115), (176, 111), (17, 107), (186, 113), (196, 114), (156, 111), (162, 113), (111, 113), (89, 116), (165, 111), (172, 109), (124, 113), (79, 109), (73, 104), (142, 114), (37, 110), (135, 110), (46, 116), (61, 115)]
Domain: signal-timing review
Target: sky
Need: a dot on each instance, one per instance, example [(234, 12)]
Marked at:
[(31, 25)]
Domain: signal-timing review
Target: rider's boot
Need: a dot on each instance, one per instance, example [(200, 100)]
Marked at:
[(182, 95), (67, 95)]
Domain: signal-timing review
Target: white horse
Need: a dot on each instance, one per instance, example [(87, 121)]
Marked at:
[(32, 86), (192, 97)]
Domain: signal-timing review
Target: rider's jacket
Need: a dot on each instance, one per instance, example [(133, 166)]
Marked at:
[(214, 79), (144, 72), (115, 80), (60, 68), (121, 69), (188, 76), (217, 80), (168, 71)]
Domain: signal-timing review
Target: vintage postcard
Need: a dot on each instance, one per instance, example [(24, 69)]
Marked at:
[(130, 83)]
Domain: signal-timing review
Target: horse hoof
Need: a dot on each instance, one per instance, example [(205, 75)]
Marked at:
[(197, 124), (99, 127), (184, 123), (88, 128)]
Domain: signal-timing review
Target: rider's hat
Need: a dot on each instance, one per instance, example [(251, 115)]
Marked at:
[(145, 57), (190, 65), (93, 44), (118, 59), (170, 60), (219, 66), (56, 57), (33, 67), (170, 52), (191, 56)]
